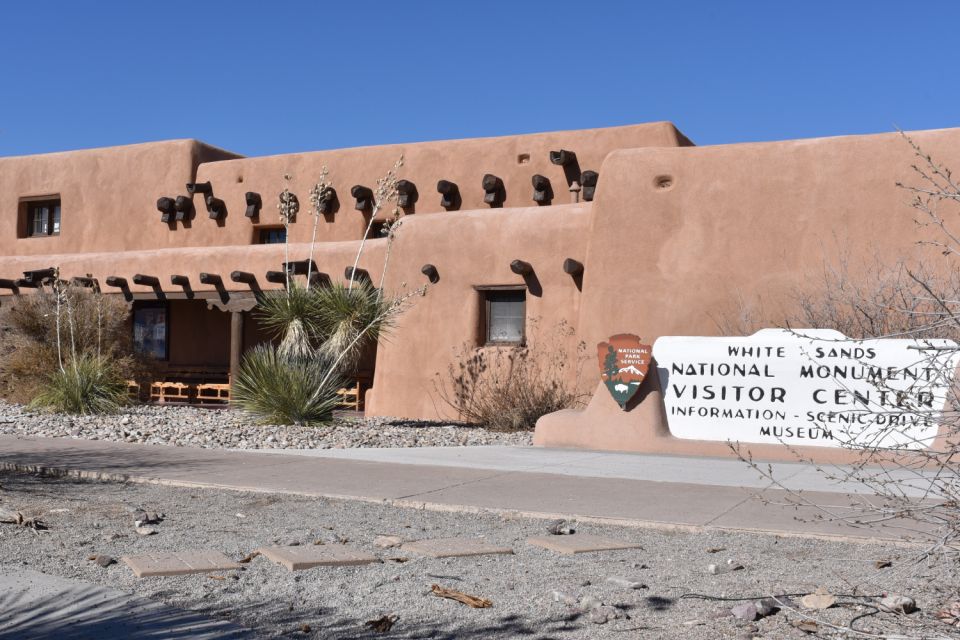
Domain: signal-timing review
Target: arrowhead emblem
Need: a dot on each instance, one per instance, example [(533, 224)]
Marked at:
[(624, 363)]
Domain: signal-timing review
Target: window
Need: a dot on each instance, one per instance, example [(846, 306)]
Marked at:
[(151, 331), (272, 235), (43, 218), (504, 315)]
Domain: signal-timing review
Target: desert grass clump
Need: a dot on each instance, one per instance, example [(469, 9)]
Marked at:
[(508, 388), (280, 389), (88, 384)]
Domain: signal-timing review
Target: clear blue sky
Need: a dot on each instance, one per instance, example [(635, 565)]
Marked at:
[(274, 77)]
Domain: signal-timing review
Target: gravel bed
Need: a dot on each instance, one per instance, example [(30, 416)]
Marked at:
[(232, 429), (88, 518)]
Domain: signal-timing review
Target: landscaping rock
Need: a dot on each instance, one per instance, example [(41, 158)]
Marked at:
[(603, 614), (726, 567), (104, 560), (746, 611), (225, 428), (626, 583), (589, 602), (896, 603), (563, 598), (560, 528)]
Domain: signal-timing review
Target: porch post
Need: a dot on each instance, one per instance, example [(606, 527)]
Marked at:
[(236, 343)]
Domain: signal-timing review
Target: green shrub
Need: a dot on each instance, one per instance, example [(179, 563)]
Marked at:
[(87, 385), (281, 389)]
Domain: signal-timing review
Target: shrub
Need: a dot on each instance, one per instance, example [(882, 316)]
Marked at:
[(97, 325), (510, 388), (282, 389), (89, 384), (875, 299)]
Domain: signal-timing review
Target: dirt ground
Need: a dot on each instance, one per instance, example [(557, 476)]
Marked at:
[(676, 596)]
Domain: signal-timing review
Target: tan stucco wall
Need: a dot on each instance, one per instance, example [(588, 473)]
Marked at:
[(109, 195), (751, 221)]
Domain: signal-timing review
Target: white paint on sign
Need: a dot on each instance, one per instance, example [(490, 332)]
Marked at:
[(811, 387)]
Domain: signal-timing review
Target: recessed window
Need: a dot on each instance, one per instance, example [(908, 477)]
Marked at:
[(41, 217), (272, 235), (151, 330), (504, 315)]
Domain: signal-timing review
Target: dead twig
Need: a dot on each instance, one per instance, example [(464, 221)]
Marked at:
[(459, 596)]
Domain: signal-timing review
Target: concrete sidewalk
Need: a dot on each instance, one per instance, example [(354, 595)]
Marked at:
[(603, 487)]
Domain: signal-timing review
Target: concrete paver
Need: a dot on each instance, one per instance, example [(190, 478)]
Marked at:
[(300, 558), (179, 563), (581, 543), (455, 548)]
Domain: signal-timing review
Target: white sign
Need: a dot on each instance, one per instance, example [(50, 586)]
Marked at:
[(810, 387)]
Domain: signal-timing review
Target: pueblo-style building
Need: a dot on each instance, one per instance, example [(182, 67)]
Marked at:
[(629, 229)]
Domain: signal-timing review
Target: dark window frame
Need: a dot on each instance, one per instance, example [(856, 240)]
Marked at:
[(261, 232), (486, 301), (153, 304), (29, 207)]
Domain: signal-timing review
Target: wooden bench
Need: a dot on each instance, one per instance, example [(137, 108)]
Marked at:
[(213, 392), (191, 384), (352, 397)]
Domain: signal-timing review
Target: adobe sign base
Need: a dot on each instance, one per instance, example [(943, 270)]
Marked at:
[(642, 428)]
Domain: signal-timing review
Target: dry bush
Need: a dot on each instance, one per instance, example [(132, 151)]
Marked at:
[(876, 299), (893, 298), (28, 339), (510, 388)]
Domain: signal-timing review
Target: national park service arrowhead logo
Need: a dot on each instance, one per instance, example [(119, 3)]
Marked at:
[(624, 363)]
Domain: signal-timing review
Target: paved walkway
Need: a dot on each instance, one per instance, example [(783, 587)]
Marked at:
[(35, 606), (637, 490)]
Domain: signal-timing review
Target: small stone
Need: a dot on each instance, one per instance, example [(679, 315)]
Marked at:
[(766, 606), (589, 602), (293, 543), (146, 531), (603, 614), (626, 583), (560, 528), (746, 611), (726, 567), (559, 596), (104, 560), (387, 542), (896, 603)]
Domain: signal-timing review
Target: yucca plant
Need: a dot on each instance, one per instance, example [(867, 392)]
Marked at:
[(348, 320), (322, 331), (88, 384), (282, 389), (289, 316)]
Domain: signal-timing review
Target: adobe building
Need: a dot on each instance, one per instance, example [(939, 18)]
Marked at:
[(627, 229)]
